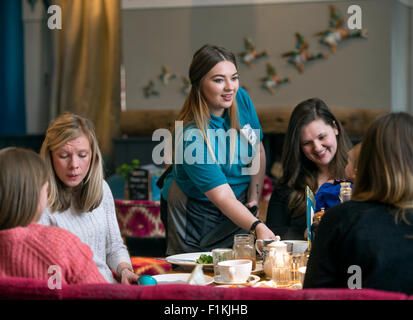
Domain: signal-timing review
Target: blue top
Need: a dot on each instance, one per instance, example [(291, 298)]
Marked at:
[(328, 195), (194, 168)]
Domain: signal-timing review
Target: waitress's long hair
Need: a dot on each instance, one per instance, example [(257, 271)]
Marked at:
[(298, 170), (385, 165), (194, 111)]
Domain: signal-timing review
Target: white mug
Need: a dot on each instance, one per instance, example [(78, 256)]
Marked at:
[(235, 270)]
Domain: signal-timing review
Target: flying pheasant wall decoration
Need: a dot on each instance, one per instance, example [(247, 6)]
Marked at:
[(300, 55), (250, 54), (336, 33)]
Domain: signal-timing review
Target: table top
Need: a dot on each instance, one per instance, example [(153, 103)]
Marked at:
[(264, 281)]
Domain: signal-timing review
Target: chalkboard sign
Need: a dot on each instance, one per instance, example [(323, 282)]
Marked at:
[(139, 184)]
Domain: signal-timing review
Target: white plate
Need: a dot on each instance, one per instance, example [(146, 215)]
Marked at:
[(188, 259), (178, 278), (251, 280)]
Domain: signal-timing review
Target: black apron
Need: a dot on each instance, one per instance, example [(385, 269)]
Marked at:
[(196, 225)]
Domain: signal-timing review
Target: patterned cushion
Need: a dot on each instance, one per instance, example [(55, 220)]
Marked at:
[(139, 218), (150, 266), (142, 218)]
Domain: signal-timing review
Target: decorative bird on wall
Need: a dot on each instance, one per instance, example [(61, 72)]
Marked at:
[(250, 54), (271, 80), (187, 85), (149, 89), (336, 33), (299, 56), (166, 75)]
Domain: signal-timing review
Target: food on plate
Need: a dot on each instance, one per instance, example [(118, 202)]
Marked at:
[(204, 259)]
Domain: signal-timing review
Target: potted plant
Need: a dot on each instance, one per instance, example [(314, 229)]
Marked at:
[(124, 170)]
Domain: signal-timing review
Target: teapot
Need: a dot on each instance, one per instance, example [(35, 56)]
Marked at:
[(269, 253)]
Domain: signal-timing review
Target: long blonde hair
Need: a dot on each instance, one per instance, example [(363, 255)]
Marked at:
[(22, 176), (88, 195), (195, 109), (385, 164)]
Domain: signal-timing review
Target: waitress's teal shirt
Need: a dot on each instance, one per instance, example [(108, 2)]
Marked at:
[(194, 169)]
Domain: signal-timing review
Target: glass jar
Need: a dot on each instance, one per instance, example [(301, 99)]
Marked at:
[(244, 248), (345, 191)]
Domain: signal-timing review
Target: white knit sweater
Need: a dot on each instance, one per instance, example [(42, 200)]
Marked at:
[(99, 229)]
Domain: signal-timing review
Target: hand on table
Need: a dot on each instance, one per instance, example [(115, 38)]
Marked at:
[(128, 277)]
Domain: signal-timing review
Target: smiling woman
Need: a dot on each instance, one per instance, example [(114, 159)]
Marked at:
[(220, 86), (208, 202), (315, 150)]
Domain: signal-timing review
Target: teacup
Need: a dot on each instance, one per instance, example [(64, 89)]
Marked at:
[(235, 270)]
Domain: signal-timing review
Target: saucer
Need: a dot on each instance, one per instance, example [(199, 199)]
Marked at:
[(251, 280)]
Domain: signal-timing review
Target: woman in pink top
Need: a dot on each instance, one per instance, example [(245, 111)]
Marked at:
[(28, 249)]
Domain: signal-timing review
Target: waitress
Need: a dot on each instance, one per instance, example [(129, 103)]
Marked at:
[(218, 168)]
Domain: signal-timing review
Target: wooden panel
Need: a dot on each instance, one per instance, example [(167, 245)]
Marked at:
[(144, 122)]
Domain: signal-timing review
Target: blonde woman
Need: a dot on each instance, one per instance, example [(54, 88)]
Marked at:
[(28, 249), (79, 199), (368, 241), (209, 191)]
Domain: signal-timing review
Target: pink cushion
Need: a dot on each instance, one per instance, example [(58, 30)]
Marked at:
[(139, 218)]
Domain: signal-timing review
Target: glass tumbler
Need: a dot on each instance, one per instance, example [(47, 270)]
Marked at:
[(221, 254), (281, 269)]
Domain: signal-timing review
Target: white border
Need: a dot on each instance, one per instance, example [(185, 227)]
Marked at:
[(157, 4)]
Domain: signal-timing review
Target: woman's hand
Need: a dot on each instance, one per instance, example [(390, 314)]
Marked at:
[(128, 277), (126, 274), (263, 232)]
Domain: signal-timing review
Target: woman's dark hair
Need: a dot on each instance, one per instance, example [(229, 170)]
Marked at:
[(298, 170)]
